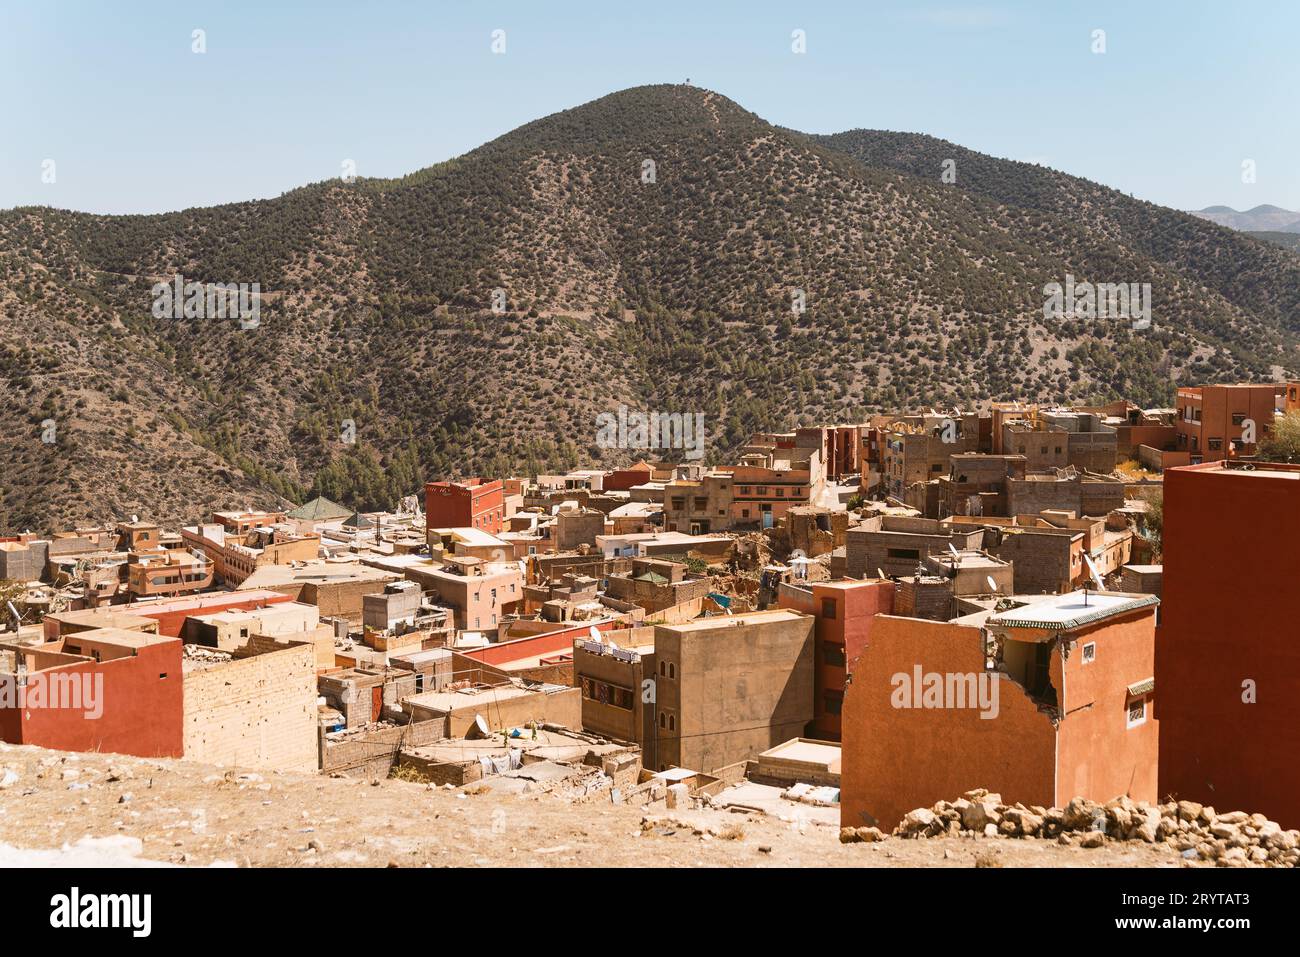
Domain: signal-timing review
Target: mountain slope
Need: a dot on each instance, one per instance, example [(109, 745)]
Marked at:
[(672, 295)]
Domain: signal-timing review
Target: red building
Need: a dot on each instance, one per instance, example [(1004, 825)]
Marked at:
[(1042, 702), (1213, 420), (620, 480), (474, 503), (106, 689), (844, 612), (1227, 656)]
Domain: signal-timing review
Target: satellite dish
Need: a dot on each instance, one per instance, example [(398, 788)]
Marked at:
[(594, 632), (955, 554), (993, 586), (880, 573), (1096, 576)]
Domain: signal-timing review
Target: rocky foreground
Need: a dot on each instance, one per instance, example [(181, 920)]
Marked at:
[(57, 807), (1197, 832)]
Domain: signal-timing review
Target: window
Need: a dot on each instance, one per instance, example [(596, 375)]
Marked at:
[(1238, 418), (1137, 712), (833, 654), (1214, 444), (1090, 652), (834, 701), (910, 554), (762, 490), (828, 608)]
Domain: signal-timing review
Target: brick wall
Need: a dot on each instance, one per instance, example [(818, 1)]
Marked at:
[(372, 754), (256, 711)]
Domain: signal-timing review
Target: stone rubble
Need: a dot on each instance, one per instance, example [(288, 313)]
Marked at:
[(1198, 832)]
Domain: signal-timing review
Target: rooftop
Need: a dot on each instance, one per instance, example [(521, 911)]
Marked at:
[(1071, 611)]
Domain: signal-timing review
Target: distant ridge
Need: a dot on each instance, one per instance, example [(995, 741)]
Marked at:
[(1262, 218)]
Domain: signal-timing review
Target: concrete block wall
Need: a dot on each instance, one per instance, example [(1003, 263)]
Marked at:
[(257, 712)]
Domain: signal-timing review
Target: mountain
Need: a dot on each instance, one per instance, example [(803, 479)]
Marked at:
[(672, 294), (1261, 219), (1289, 241)]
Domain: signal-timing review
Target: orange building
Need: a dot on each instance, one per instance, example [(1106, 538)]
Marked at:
[(102, 689), (474, 503), (1212, 418), (844, 612), (1042, 702), (1227, 658)]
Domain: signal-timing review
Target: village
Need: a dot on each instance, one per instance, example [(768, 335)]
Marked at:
[(1027, 623)]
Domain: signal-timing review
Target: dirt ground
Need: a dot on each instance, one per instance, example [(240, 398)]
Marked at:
[(195, 814)]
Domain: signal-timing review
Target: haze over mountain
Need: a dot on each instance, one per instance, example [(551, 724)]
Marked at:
[(671, 295), (1260, 219)]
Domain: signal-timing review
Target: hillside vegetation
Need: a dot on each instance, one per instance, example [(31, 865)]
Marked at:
[(671, 295)]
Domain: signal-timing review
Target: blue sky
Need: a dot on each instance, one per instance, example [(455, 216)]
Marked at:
[(136, 122)]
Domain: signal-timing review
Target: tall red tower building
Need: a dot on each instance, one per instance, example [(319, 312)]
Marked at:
[(1228, 644), (474, 503)]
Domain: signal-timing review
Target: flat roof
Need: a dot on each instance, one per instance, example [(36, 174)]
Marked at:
[(726, 621), (1073, 610), (805, 750), (119, 637)]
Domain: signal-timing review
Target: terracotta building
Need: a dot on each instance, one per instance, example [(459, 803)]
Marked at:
[(474, 503), (103, 689), (844, 612), (1041, 702), (1227, 660), (1212, 418)]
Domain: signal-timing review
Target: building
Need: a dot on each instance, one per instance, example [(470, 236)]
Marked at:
[(480, 594), (843, 613), (915, 449), (1040, 701), (101, 689), (1227, 661), (253, 705), (897, 544), (240, 543), (1213, 419), (1068, 489), (976, 484), (474, 503), (754, 494), (730, 687), (168, 572), (613, 674)]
